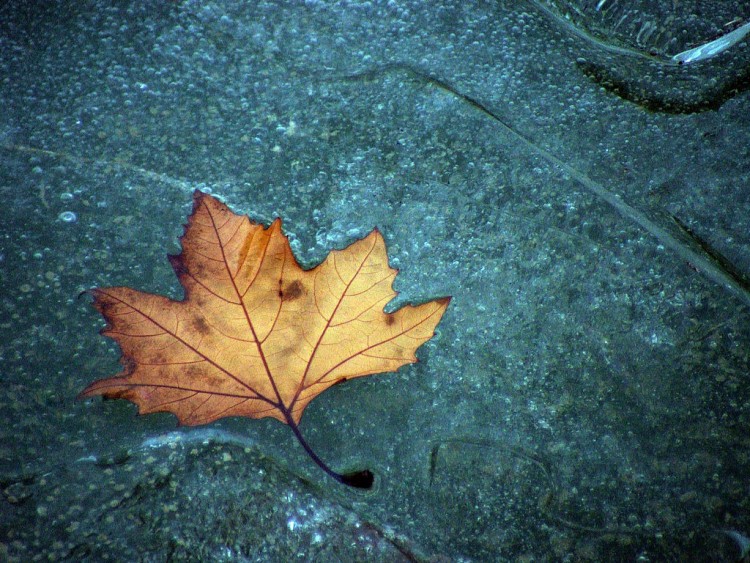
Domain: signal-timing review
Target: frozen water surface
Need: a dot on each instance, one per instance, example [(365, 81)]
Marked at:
[(581, 194)]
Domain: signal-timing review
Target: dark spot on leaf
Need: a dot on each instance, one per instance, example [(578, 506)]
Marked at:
[(193, 371), (291, 291), (178, 265), (104, 307), (200, 325), (160, 359), (129, 365)]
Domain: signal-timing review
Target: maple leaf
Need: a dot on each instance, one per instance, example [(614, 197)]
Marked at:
[(256, 335)]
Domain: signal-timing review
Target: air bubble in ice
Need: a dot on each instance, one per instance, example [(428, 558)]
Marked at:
[(68, 217)]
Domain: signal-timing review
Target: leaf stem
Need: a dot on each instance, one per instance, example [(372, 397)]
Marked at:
[(359, 479)]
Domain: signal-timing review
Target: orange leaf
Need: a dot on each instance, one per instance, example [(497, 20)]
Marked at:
[(256, 335)]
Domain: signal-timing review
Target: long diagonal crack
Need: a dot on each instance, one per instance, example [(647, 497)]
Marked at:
[(694, 254)]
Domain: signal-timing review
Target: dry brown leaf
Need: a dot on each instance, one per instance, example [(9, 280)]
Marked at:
[(256, 335)]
